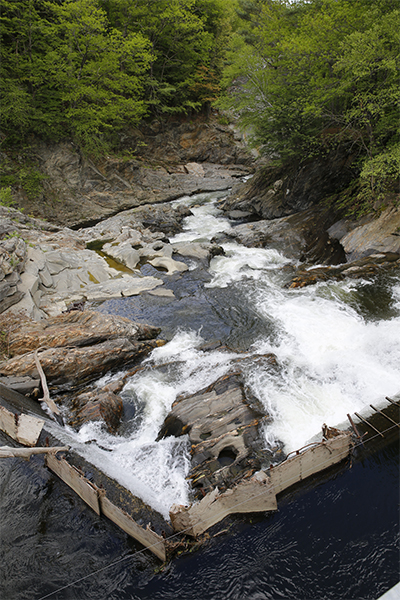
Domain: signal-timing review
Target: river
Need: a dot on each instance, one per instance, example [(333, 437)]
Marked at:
[(338, 350)]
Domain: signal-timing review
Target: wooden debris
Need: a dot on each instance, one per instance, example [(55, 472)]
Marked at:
[(8, 451), (252, 495), (22, 428), (72, 477), (310, 461), (98, 501), (260, 491), (146, 537), (46, 395)]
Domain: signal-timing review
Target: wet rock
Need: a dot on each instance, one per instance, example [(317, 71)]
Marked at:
[(76, 365), (77, 328), (223, 429), (100, 405), (364, 267), (300, 236)]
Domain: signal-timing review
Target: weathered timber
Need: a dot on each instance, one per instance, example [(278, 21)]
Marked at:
[(310, 461), (98, 501), (46, 394), (10, 452), (24, 429), (146, 537), (252, 495), (71, 476), (259, 493)]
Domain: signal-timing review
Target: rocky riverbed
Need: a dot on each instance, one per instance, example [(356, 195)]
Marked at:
[(57, 276)]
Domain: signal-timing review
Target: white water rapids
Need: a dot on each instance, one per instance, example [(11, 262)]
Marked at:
[(332, 361)]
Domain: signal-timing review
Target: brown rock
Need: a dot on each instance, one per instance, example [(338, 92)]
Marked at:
[(77, 329), (76, 365), (100, 405)]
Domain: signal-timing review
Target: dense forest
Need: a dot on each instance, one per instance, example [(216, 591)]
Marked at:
[(302, 76)]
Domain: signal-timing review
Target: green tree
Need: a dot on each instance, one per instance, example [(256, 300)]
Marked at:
[(97, 71), (321, 72), (25, 102)]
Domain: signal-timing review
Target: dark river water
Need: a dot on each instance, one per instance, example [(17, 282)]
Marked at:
[(335, 537)]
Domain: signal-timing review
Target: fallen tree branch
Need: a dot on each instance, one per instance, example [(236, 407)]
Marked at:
[(46, 395), (8, 451)]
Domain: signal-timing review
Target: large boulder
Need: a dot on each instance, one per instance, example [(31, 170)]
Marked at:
[(77, 328), (223, 424), (73, 366)]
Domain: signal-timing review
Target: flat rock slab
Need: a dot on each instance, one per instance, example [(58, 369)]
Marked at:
[(76, 365), (77, 328)]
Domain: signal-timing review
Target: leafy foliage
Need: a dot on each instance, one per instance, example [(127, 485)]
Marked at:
[(308, 75), (87, 68)]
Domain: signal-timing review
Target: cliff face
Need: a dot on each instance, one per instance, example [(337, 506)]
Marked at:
[(155, 164), (308, 202)]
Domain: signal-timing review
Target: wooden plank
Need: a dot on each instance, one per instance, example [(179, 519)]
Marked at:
[(25, 429), (311, 461), (253, 495), (75, 480), (8, 423), (29, 429), (146, 537), (8, 451)]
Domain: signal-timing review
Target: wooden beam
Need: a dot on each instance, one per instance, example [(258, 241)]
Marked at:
[(71, 476), (24, 429), (148, 538), (8, 451), (311, 461), (253, 495)]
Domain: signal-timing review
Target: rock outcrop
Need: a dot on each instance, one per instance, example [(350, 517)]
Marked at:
[(95, 263), (223, 424), (73, 349), (295, 212), (156, 164), (300, 236), (77, 329)]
